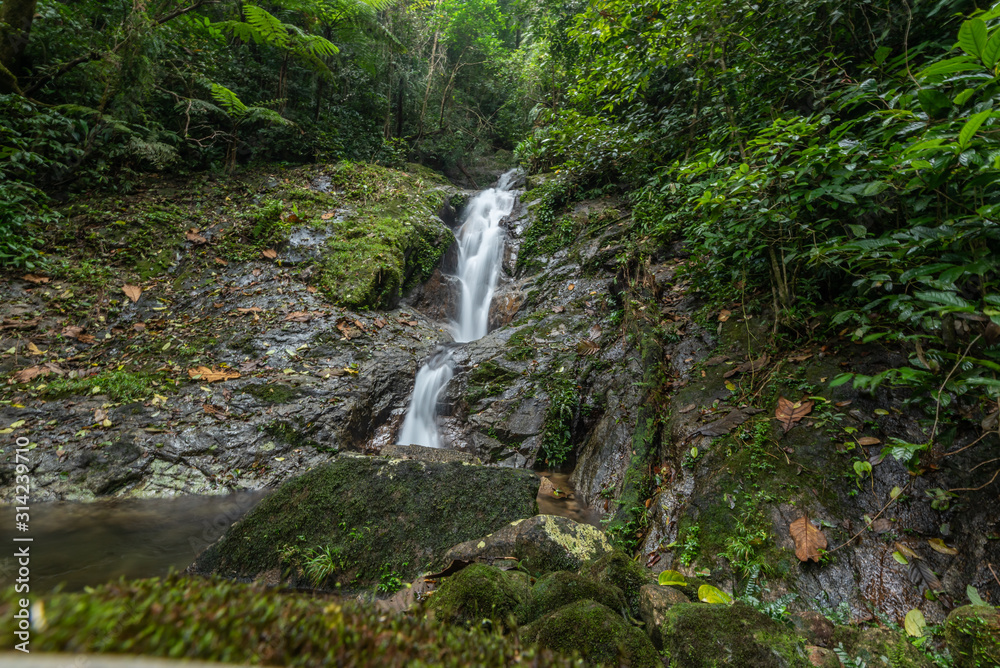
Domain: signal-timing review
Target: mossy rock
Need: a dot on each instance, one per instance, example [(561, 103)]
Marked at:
[(542, 544), (351, 521), (973, 636), (619, 570), (879, 647), (702, 635), (479, 592), (238, 624), (654, 602), (562, 587), (596, 632)]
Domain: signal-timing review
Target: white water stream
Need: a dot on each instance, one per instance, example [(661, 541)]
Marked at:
[(480, 253)]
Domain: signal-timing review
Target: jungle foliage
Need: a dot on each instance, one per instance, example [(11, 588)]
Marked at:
[(837, 162)]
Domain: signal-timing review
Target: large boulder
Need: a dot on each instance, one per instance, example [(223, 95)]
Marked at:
[(620, 570), (358, 519), (597, 633), (701, 635), (478, 593), (973, 636), (871, 644), (542, 544), (555, 590), (654, 602)]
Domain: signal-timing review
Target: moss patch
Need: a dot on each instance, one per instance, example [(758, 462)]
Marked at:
[(488, 380), (619, 570), (217, 620), (871, 645), (598, 633), (476, 593), (699, 635), (973, 636), (560, 588), (362, 515)]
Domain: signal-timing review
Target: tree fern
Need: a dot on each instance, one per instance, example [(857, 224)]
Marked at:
[(229, 101)]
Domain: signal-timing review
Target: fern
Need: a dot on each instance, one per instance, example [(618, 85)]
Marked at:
[(229, 101), (846, 660), (266, 26)]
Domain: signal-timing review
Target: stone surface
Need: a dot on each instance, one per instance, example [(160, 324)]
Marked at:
[(814, 627), (542, 544), (654, 601), (364, 517)]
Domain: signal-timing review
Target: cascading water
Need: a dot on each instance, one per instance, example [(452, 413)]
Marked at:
[(480, 252)]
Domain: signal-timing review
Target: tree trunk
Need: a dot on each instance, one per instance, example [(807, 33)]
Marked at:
[(15, 27), (399, 108), (427, 91)]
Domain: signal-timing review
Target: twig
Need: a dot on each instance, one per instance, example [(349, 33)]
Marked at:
[(937, 409), (865, 528), (976, 489), (993, 572)]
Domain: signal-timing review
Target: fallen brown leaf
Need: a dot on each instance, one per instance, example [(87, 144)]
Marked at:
[(86, 338), (193, 236), (327, 216), (204, 373), (808, 539), (938, 546), (724, 315), (868, 440), (219, 260), (349, 331), (588, 347), (29, 374), (133, 292), (252, 309), (32, 278), (789, 413), (750, 366), (72, 331), (311, 289), (298, 316), (687, 409), (34, 350), (139, 326), (270, 254)]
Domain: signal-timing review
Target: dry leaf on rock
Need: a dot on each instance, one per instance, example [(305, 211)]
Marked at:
[(252, 309), (327, 216), (751, 366), (311, 289), (29, 374), (732, 420), (588, 347), (219, 260), (207, 375), (72, 331), (724, 315), (32, 278), (938, 546), (193, 236), (298, 316), (868, 440), (789, 413), (34, 350), (270, 253), (349, 331), (133, 292), (808, 539), (922, 577), (86, 338)]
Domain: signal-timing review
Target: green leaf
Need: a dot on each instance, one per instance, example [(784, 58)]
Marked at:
[(861, 469), (670, 578), (898, 556), (991, 52), (858, 230), (949, 66), (974, 597), (841, 379), (963, 97), (969, 129), (881, 54), (940, 297), (914, 623), (972, 37), (709, 594)]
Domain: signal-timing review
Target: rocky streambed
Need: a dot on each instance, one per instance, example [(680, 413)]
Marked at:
[(281, 355)]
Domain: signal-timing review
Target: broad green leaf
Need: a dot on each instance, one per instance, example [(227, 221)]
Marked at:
[(710, 594), (898, 556), (950, 66), (969, 129), (974, 596), (874, 188), (861, 469), (841, 379), (914, 623), (858, 230), (964, 96), (881, 53), (941, 297), (670, 578), (972, 37), (991, 52), (895, 491)]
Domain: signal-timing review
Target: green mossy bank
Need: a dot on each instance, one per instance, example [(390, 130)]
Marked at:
[(359, 519)]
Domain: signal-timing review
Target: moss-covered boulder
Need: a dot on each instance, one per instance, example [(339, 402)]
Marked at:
[(701, 635), (542, 544), (562, 587), (359, 519), (238, 624), (973, 636), (478, 593), (618, 569), (872, 644), (596, 632)]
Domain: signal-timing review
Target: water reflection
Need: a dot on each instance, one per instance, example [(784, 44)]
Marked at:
[(556, 496), (87, 544)]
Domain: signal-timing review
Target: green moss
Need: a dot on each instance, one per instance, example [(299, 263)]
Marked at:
[(700, 635), (557, 589), (119, 386), (272, 393), (597, 633), (520, 347), (294, 436), (476, 593), (618, 569), (880, 647), (488, 380), (373, 514), (973, 636), (217, 620)]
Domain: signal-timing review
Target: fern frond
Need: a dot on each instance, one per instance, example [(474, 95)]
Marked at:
[(269, 27), (256, 114), (228, 99), (242, 31)]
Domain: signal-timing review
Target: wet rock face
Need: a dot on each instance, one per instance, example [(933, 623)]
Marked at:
[(356, 519), (973, 636), (654, 602)]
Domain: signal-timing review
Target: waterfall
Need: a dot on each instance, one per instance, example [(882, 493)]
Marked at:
[(480, 253)]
